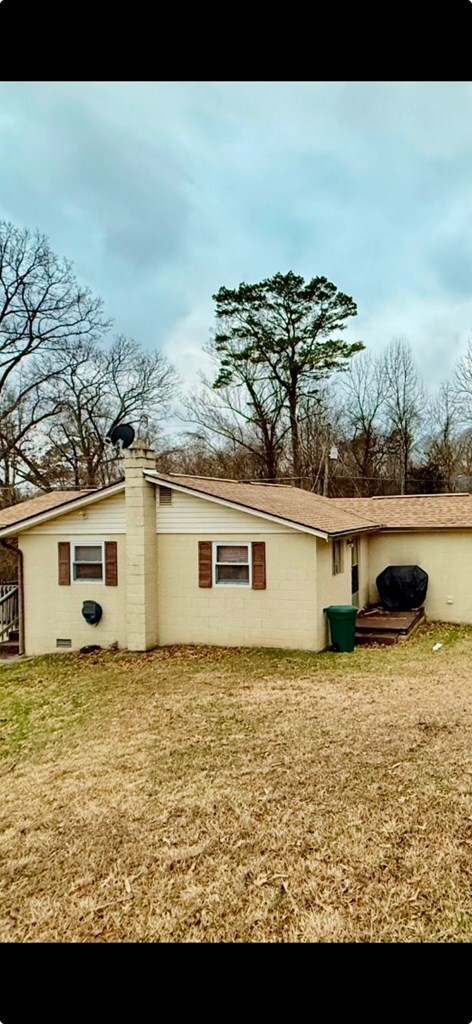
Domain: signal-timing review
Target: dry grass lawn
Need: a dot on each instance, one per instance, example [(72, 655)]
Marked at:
[(196, 794)]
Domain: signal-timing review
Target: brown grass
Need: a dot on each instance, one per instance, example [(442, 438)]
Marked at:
[(212, 795)]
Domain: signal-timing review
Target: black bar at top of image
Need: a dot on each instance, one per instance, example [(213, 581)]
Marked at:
[(348, 41)]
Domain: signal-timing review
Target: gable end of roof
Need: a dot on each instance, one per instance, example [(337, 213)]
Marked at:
[(51, 505)]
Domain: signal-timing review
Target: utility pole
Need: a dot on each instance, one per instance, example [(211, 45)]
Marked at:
[(326, 474), (332, 455)]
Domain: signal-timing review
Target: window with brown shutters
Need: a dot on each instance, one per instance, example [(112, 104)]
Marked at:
[(258, 565), (111, 563), (63, 556), (226, 564), (87, 562), (205, 564)]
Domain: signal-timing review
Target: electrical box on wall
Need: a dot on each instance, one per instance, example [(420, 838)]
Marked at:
[(92, 612), (449, 599)]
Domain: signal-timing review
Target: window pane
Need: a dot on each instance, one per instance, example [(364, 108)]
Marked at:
[(232, 574), (90, 571), (86, 553), (231, 553)]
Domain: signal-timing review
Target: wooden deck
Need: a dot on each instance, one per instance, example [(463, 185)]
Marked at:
[(10, 648), (379, 626)]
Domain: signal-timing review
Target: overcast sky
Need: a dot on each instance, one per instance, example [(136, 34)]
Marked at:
[(162, 192)]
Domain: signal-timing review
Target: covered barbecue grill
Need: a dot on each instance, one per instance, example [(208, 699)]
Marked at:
[(402, 587)]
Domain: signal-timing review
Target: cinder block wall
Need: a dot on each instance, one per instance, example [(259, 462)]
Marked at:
[(444, 555), (282, 615), (52, 612)]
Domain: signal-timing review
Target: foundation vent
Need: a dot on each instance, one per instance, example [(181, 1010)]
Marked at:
[(61, 642)]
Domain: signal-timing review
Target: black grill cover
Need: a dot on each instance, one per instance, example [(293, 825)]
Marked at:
[(402, 587)]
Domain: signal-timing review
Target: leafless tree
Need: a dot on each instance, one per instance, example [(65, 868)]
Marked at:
[(363, 388), (248, 414), (318, 430), (446, 443), (194, 455), (44, 315), (461, 387), (405, 402), (98, 389)]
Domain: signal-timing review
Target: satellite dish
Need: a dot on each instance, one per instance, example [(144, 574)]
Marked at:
[(121, 436)]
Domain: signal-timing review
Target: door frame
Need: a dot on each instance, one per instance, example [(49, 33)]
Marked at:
[(354, 545)]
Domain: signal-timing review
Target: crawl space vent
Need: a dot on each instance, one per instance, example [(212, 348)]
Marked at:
[(63, 643), (165, 496)]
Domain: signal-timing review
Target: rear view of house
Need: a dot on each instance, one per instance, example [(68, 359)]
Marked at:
[(168, 559)]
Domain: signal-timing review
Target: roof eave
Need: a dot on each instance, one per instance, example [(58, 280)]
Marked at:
[(356, 529), (424, 529)]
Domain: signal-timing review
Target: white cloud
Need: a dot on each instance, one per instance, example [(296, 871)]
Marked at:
[(438, 329), (162, 192)]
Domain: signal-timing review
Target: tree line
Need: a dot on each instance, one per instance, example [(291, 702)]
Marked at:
[(287, 400)]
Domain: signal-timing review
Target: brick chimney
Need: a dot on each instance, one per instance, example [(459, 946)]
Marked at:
[(141, 549)]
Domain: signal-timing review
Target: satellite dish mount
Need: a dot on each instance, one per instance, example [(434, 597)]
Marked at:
[(121, 436)]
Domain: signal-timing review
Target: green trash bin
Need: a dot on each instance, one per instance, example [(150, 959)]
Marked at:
[(342, 624)]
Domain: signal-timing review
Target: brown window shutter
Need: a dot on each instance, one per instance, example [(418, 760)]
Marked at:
[(258, 565), (205, 568), (63, 554), (111, 563)]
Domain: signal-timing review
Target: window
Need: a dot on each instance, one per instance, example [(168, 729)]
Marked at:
[(165, 496), (337, 557), (232, 565), (87, 562)]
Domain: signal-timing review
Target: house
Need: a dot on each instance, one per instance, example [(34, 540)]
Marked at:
[(180, 559)]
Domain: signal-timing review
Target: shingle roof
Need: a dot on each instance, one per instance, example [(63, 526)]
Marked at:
[(289, 503), (302, 508), (34, 506), (64, 501), (416, 511)]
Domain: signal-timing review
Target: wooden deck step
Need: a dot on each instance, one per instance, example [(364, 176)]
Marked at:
[(392, 622), (8, 649), (378, 626), (382, 637)]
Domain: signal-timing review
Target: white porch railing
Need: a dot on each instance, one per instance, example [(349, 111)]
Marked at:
[(9, 609)]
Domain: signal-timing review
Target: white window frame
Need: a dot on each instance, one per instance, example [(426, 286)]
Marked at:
[(335, 571), (232, 544), (86, 542)]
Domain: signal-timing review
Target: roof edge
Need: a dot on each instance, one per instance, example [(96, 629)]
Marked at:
[(67, 506), (434, 528), (374, 528)]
